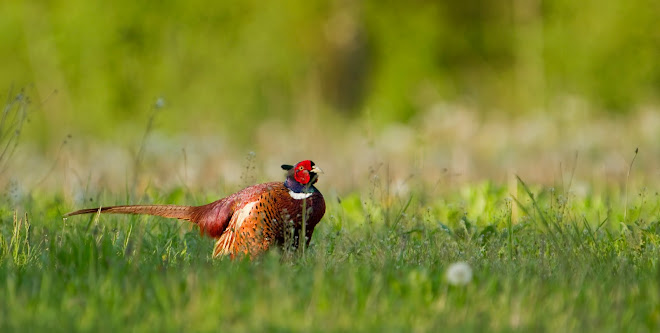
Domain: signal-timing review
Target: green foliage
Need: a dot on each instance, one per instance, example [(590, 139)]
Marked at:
[(225, 64), (375, 263)]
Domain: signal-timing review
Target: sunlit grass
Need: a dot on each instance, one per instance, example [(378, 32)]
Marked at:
[(568, 240), (373, 264)]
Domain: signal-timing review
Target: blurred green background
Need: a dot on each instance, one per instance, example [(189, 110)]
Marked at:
[(420, 92), (222, 66)]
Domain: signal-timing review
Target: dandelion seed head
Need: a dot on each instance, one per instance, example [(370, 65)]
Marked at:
[(459, 273)]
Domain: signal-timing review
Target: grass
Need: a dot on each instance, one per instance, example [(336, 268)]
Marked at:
[(568, 263), (573, 249), (421, 138)]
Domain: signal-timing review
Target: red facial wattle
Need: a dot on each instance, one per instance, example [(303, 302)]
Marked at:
[(301, 173), (302, 176)]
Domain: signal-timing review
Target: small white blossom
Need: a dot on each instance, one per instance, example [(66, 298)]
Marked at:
[(160, 103), (459, 273)]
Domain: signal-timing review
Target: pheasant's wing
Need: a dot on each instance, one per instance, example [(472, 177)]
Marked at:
[(214, 218), (241, 228)]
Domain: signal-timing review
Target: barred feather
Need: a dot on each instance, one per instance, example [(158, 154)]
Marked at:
[(170, 211)]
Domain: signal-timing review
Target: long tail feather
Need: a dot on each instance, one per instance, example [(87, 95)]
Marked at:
[(170, 211)]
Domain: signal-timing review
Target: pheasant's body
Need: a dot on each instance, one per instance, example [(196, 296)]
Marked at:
[(250, 221)]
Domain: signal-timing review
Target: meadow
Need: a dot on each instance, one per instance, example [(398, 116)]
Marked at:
[(571, 252), (519, 138), (568, 264)]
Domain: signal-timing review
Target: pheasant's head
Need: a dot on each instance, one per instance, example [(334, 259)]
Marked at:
[(304, 173)]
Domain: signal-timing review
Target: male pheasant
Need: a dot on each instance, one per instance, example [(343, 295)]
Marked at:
[(252, 220)]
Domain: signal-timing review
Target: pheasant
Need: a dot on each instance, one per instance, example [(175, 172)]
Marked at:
[(252, 220)]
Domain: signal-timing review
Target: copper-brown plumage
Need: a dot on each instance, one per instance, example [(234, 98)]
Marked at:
[(252, 220)]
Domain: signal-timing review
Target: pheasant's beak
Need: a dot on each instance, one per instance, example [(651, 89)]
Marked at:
[(316, 169)]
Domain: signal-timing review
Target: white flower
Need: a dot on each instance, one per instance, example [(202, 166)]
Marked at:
[(459, 273), (160, 103)]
